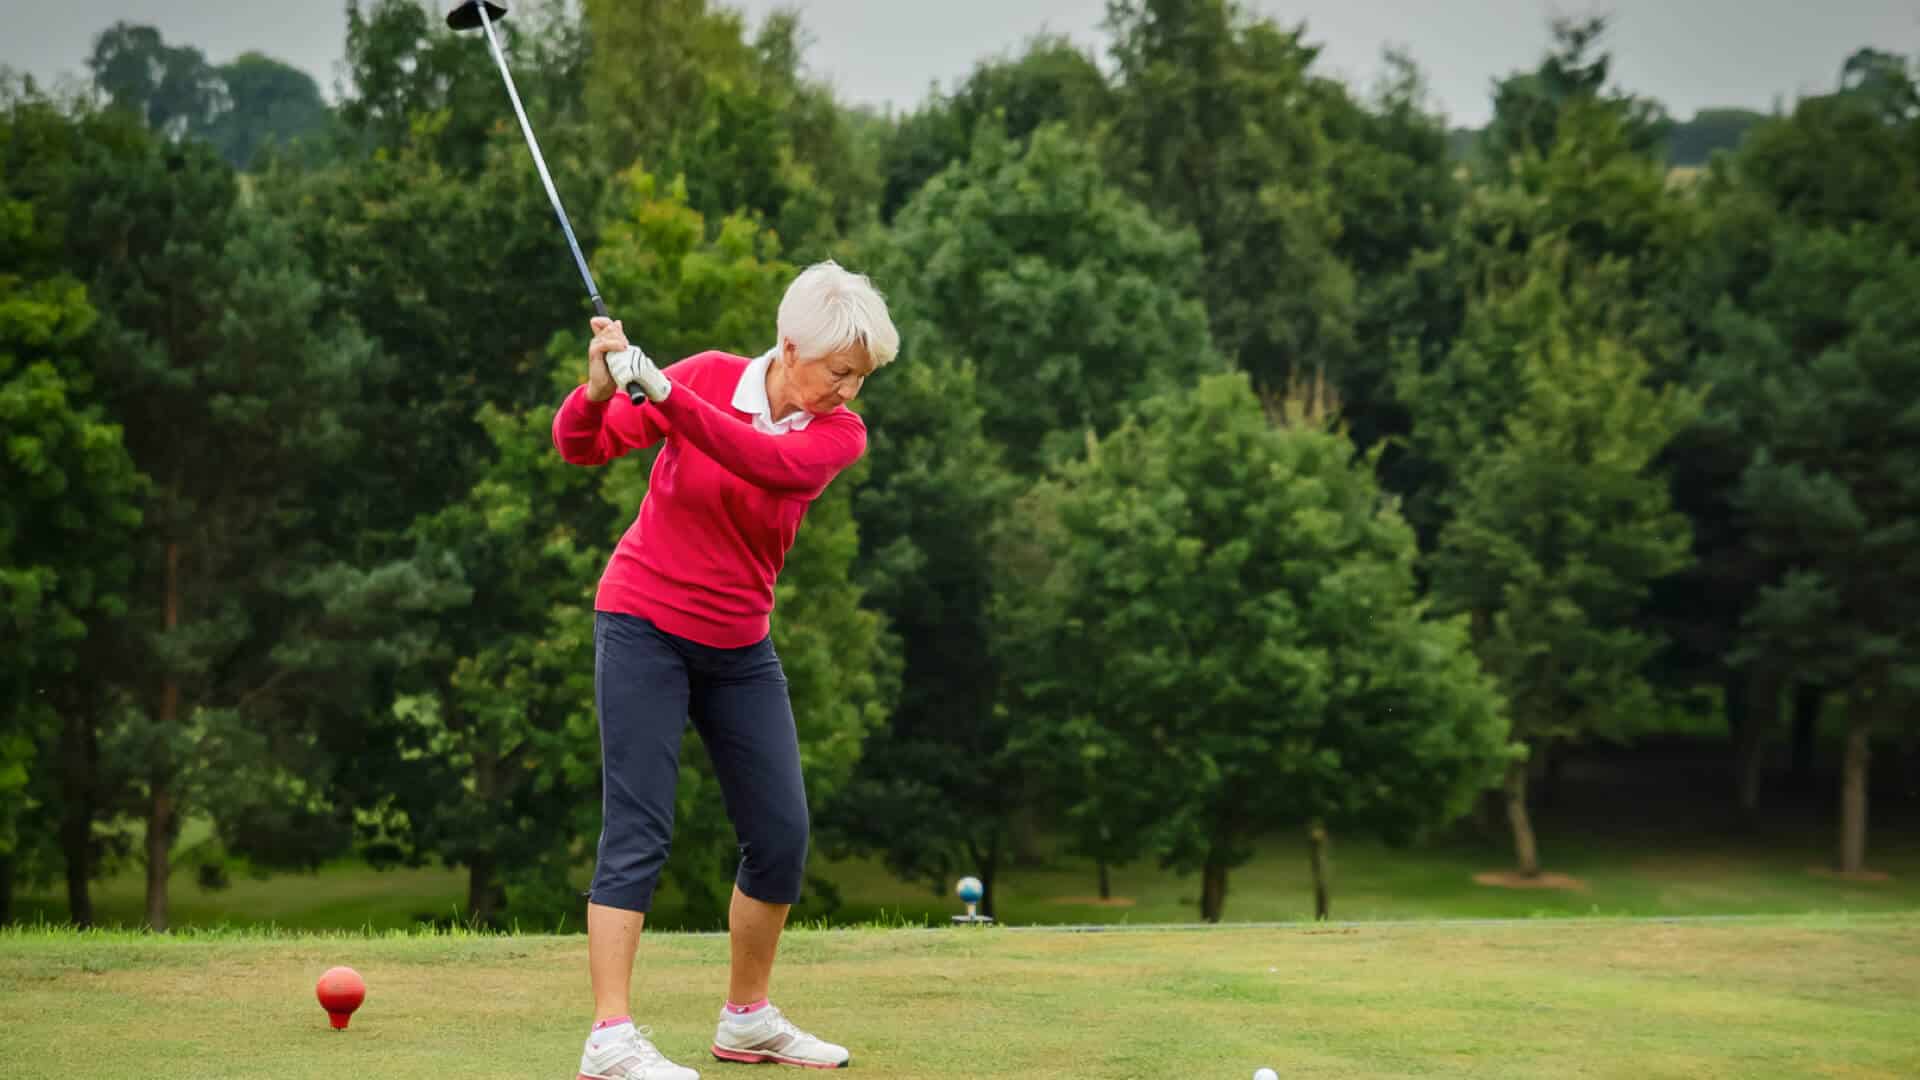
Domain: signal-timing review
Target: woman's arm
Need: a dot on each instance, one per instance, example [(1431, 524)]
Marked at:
[(799, 461), (590, 428), (589, 432)]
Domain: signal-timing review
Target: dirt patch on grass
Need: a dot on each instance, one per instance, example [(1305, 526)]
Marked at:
[(1875, 876), (1094, 901), (1508, 879)]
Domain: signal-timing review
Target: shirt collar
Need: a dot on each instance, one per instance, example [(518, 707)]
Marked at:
[(750, 396)]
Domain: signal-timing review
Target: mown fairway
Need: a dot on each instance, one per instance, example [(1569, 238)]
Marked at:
[(1815, 996)]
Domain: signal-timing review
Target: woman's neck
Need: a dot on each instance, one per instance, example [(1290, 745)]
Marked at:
[(777, 404)]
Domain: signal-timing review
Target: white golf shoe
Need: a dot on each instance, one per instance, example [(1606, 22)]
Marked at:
[(768, 1036), (629, 1055)]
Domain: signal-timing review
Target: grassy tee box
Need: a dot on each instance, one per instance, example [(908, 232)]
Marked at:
[(1812, 996)]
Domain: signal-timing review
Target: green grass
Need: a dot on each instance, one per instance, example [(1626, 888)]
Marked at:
[(1625, 872), (1770, 997)]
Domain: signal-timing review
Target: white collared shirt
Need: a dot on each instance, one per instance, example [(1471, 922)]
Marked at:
[(751, 397)]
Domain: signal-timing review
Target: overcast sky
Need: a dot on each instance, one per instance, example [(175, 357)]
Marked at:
[(1687, 53)]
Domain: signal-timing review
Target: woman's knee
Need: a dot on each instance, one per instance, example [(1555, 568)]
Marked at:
[(774, 854)]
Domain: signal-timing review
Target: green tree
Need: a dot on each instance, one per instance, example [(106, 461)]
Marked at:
[(171, 89), (1051, 82), (1064, 292), (679, 88), (1849, 157), (1816, 379), (1217, 124), (940, 782), (1264, 660), (71, 502), (491, 740), (1621, 237), (270, 104), (1527, 106), (411, 83), (211, 323), (1694, 142), (1397, 194), (1560, 521), (1839, 163)]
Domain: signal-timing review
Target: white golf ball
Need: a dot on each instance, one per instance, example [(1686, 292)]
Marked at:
[(1265, 1074)]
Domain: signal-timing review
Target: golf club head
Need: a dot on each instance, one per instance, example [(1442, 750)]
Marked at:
[(465, 14)]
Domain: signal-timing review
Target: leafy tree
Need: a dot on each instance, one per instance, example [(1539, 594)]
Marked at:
[(269, 104), (1559, 519), (1622, 239), (71, 505), (1527, 106), (678, 87), (1066, 294), (172, 89), (1843, 158), (1694, 142), (1397, 195), (209, 325), (1840, 162), (1217, 125), (491, 742), (939, 784), (408, 78), (1264, 659), (1816, 379), (1051, 82)]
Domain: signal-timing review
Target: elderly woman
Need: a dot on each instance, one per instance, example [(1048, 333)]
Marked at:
[(682, 631)]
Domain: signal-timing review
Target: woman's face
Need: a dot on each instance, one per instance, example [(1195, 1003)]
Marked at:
[(819, 386)]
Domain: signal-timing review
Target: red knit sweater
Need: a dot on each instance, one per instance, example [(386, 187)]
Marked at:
[(723, 504)]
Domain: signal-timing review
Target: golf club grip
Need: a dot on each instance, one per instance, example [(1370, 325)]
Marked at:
[(634, 393)]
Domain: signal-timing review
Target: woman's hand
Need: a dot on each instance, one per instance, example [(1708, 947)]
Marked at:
[(608, 337)]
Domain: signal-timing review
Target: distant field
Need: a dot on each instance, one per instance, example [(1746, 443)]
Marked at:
[(1621, 872), (1802, 997)]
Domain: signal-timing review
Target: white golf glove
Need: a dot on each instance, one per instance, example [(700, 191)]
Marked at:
[(633, 368)]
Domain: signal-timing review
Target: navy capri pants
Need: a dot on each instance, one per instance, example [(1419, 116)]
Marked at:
[(647, 684)]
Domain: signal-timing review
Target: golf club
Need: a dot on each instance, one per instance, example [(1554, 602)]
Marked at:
[(467, 14)]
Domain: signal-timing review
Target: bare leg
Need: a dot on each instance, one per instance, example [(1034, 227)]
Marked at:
[(754, 928), (613, 935)]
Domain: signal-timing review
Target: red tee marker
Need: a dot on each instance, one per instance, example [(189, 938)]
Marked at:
[(341, 990)]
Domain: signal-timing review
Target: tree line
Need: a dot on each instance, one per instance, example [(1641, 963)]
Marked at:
[(1255, 461)]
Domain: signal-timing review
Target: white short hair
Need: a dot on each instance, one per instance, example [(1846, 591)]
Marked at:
[(829, 310)]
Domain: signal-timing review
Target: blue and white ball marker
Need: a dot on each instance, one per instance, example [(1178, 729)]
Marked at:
[(970, 891)]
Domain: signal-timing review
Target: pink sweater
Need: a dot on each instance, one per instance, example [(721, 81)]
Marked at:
[(723, 504)]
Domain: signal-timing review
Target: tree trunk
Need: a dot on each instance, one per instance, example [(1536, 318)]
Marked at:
[(1524, 850), (1762, 719), (160, 808), (1853, 792), (480, 891), (78, 756), (1213, 887), (6, 890), (1317, 853), (159, 847), (1806, 721), (1106, 881)]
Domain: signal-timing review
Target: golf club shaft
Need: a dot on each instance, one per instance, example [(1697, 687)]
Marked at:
[(540, 162)]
